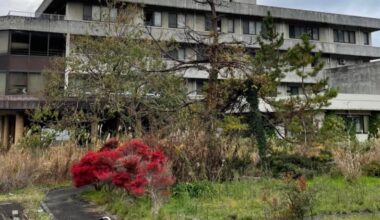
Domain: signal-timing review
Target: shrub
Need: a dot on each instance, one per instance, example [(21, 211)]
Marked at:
[(300, 198), (283, 164), (133, 166), (372, 169), (352, 158)]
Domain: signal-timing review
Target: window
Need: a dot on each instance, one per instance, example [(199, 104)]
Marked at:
[(20, 43), (178, 54), (153, 19), (39, 44), (17, 83), (173, 20), (196, 86), (251, 27), (344, 36), (57, 45), (293, 90), (358, 123), (87, 12), (366, 38), (230, 25), (181, 20), (296, 31), (208, 23)]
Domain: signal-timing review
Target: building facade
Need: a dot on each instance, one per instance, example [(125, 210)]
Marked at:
[(28, 42)]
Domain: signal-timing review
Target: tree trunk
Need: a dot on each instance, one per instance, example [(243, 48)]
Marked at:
[(255, 119)]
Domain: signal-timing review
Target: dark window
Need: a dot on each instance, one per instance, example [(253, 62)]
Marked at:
[(20, 43), (208, 23), (293, 90), (230, 25), (149, 18), (173, 21), (153, 18), (344, 36), (296, 31), (17, 83), (39, 44), (87, 12), (57, 45), (341, 61), (245, 27), (356, 123), (366, 38)]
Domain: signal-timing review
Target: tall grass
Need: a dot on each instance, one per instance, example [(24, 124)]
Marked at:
[(24, 167)]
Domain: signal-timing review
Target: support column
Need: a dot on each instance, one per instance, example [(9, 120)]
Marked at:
[(1, 131), (19, 127), (68, 48), (5, 135), (94, 132)]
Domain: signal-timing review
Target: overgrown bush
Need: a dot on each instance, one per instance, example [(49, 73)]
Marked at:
[(372, 169), (133, 166), (352, 157), (23, 167), (283, 164), (300, 198)]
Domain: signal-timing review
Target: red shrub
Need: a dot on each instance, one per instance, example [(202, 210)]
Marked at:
[(132, 166)]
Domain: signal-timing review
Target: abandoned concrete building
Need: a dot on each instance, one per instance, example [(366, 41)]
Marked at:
[(28, 41)]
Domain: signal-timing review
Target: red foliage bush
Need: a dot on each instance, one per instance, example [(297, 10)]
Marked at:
[(132, 166)]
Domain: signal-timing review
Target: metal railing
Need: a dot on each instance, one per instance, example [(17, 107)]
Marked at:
[(53, 17)]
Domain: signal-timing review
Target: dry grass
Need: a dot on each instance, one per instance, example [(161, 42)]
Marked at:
[(23, 167), (352, 158)]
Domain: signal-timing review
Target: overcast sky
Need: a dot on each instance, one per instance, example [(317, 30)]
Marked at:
[(368, 8)]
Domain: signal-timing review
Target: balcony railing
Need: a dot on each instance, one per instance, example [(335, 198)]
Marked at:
[(54, 17)]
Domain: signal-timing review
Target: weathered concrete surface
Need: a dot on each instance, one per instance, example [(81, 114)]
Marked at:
[(65, 204), (257, 10), (100, 29), (357, 79), (10, 210)]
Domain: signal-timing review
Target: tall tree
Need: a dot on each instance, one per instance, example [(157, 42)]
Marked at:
[(111, 77)]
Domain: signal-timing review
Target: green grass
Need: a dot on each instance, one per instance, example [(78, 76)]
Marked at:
[(30, 198), (247, 199)]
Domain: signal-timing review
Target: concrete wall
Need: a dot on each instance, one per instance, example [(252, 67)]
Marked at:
[(358, 79), (4, 41)]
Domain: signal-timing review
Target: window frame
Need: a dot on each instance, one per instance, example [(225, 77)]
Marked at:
[(344, 36), (297, 30)]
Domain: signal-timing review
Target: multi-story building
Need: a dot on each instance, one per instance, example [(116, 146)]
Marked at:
[(28, 41)]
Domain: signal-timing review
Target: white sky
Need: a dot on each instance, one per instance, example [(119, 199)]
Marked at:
[(368, 8)]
